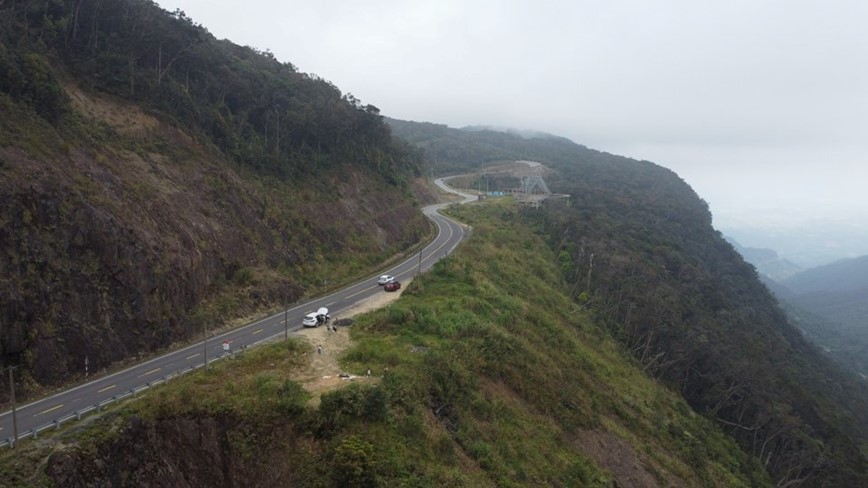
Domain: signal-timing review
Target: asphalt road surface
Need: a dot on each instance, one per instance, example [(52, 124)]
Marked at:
[(63, 406)]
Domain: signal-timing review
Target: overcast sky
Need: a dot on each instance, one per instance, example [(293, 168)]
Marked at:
[(761, 106)]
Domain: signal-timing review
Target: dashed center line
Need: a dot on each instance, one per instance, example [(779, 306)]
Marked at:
[(106, 388), (257, 331), (49, 410), (359, 293), (150, 372)]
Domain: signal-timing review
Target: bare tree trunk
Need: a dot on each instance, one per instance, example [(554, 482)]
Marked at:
[(26, 25), (44, 19), (94, 29), (266, 131), (132, 77), (162, 70), (75, 16), (277, 138)]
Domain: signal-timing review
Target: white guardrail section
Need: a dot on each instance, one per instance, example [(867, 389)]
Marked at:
[(98, 407)]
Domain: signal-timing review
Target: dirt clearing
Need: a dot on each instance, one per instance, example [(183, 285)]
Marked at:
[(323, 373)]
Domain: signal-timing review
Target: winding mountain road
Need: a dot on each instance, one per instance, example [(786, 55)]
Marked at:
[(76, 401)]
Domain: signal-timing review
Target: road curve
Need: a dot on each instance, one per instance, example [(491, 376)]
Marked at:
[(68, 404)]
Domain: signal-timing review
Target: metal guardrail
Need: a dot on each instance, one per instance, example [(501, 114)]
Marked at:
[(98, 407)]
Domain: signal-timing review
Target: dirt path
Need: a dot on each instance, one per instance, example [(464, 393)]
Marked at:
[(322, 372)]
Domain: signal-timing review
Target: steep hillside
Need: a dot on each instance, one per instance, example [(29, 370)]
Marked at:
[(155, 180), (484, 374), (696, 316), (848, 346), (637, 245), (831, 302)]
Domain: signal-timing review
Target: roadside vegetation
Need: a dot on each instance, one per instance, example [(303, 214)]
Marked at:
[(485, 373)]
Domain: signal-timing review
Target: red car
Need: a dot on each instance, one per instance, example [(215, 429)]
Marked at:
[(392, 286)]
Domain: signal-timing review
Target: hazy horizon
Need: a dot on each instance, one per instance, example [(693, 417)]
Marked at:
[(762, 107)]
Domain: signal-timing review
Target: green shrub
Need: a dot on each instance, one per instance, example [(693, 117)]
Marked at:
[(353, 464), (355, 402), (291, 398)]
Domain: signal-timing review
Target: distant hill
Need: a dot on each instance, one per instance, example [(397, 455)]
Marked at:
[(451, 151), (830, 303), (808, 242), (767, 261), (845, 275)]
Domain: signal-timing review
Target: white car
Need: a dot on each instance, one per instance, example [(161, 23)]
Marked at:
[(385, 279), (315, 319)]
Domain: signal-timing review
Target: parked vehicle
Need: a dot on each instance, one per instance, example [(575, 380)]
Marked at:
[(385, 279), (315, 319), (392, 286)]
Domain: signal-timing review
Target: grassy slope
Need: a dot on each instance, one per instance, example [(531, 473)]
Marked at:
[(637, 245), (494, 378)]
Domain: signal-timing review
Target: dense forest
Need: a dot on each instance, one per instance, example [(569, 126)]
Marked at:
[(638, 247), (157, 180), (265, 114)]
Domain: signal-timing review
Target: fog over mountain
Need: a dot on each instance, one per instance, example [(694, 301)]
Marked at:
[(761, 107), (807, 242)]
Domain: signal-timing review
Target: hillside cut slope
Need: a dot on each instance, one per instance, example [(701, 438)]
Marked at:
[(156, 180)]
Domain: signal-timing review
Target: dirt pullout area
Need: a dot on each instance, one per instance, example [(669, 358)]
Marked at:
[(323, 373)]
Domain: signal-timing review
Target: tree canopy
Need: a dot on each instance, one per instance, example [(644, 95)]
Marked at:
[(267, 115)]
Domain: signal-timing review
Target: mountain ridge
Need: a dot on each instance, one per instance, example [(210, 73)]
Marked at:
[(844, 275)]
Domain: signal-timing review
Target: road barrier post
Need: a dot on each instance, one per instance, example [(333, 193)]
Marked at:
[(14, 409)]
